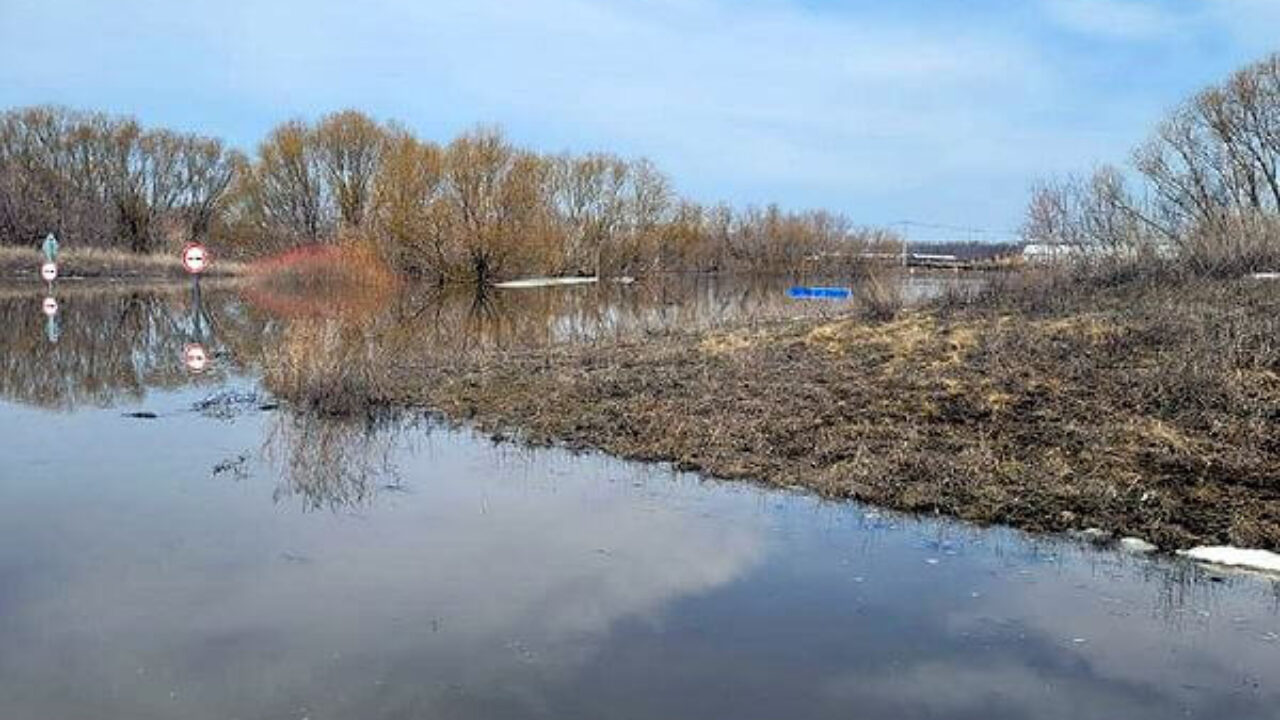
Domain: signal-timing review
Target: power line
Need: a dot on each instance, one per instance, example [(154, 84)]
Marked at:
[(995, 232)]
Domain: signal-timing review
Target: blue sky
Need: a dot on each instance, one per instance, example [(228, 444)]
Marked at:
[(934, 110)]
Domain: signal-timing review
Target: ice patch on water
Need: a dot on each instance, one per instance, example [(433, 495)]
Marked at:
[(1136, 545), (1236, 557)]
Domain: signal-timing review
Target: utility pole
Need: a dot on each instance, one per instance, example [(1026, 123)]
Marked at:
[(903, 232)]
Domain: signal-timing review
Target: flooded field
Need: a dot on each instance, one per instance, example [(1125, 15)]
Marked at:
[(179, 543)]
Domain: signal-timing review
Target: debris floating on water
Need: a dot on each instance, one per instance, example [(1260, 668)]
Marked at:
[(235, 466), (1138, 546), (227, 404), (1093, 535)]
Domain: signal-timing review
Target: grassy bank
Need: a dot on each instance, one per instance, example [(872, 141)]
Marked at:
[(24, 264), (1144, 409)]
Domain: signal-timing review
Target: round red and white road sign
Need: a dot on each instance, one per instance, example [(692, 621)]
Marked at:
[(49, 306), (49, 271), (195, 358), (195, 258)]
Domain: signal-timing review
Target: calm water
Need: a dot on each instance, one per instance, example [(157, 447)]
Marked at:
[(229, 558)]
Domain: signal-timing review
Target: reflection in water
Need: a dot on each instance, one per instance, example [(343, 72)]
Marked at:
[(333, 462), (52, 328), (108, 343), (356, 350), (200, 319), (97, 348), (513, 584), (239, 559)]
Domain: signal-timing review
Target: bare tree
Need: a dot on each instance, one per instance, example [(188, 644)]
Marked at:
[(497, 194), (286, 186), (348, 148), (410, 214), (478, 208), (207, 171)]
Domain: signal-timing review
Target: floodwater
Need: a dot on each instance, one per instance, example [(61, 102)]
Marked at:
[(231, 557)]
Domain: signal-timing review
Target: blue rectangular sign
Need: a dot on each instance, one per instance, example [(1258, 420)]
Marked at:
[(801, 292)]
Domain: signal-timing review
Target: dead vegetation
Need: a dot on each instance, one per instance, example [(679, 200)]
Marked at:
[(881, 297), (24, 264), (1141, 409), (1209, 192)]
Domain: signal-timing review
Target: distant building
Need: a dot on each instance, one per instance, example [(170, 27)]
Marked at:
[(1051, 252), (1042, 252)]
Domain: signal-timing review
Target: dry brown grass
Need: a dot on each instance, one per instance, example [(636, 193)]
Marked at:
[(1146, 409), (24, 263), (1143, 410), (881, 297)]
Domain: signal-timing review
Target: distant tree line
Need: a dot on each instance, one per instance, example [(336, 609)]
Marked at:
[(107, 182), (476, 208), (966, 249), (1209, 191)]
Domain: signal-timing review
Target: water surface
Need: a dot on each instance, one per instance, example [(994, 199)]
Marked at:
[(234, 558)]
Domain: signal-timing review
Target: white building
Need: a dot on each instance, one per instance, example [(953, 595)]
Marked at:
[(1042, 252)]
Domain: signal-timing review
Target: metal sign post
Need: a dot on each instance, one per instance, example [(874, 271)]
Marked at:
[(52, 330), (195, 260)]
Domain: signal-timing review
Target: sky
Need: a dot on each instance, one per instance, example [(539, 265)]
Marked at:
[(933, 111)]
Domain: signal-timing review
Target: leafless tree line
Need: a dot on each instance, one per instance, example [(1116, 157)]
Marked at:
[(107, 182), (475, 208), (1209, 191), (479, 207)]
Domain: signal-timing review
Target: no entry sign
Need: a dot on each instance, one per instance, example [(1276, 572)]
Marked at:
[(49, 271), (195, 358), (195, 258)]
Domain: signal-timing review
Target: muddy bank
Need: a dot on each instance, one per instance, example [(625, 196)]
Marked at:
[(1147, 412)]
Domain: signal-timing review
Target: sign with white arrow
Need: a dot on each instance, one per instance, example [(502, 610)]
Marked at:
[(195, 358), (195, 258)]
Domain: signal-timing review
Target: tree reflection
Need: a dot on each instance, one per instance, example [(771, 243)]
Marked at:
[(324, 345), (100, 348), (330, 462)]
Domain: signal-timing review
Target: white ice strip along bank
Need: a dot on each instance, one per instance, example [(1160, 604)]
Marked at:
[(1236, 557)]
